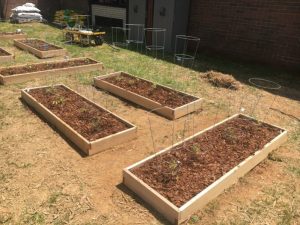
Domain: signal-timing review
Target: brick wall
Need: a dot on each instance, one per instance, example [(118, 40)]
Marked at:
[(265, 31)]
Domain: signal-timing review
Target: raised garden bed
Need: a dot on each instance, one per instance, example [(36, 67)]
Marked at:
[(181, 179), (12, 35), (5, 56), (39, 48), (17, 74), (163, 100), (92, 128)]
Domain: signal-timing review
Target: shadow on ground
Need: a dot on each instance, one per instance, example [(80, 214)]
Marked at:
[(142, 203), (240, 70)]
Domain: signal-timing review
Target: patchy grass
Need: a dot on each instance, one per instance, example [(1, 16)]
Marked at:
[(34, 218), (277, 204), (42, 175), (212, 207), (53, 198), (295, 170)]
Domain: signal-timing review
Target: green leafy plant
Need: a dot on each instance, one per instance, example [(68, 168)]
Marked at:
[(173, 164), (154, 86), (229, 134), (58, 101), (119, 78), (96, 125), (83, 111), (50, 90), (195, 148), (194, 219), (131, 82)]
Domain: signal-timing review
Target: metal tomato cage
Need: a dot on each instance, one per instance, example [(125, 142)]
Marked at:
[(136, 34), (120, 36), (266, 85), (186, 48), (155, 39)]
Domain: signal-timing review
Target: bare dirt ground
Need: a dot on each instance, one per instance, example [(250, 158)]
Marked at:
[(45, 180)]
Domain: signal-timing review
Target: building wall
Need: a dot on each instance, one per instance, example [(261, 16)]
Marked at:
[(2, 2), (138, 16), (164, 21), (47, 7), (81, 6), (266, 31)]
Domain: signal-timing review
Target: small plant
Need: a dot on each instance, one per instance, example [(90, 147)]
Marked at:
[(83, 111), (173, 164), (274, 158), (195, 148), (132, 81), (154, 86), (194, 219), (96, 125), (53, 198), (119, 78), (50, 90), (229, 134), (58, 101), (34, 218), (174, 167), (171, 175)]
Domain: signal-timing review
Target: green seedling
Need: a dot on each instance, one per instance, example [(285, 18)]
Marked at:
[(50, 90), (58, 101), (119, 78), (154, 86), (173, 164), (194, 219), (195, 148), (229, 134), (83, 110), (96, 125), (131, 82)]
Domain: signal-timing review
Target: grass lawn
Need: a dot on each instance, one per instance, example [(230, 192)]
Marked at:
[(44, 180)]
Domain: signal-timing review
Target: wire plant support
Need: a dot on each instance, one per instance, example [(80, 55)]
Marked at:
[(186, 48), (266, 85), (136, 34), (155, 39), (120, 36)]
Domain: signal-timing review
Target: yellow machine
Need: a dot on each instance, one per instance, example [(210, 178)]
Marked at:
[(84, 37)]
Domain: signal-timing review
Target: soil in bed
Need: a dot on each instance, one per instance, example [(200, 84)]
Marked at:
[(162, 95), (3, 53), (189, 168), (39, 44), (90, 121), (8, 71)]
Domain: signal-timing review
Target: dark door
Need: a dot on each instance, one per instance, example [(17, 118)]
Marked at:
[(149, 19), (149, 14)]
